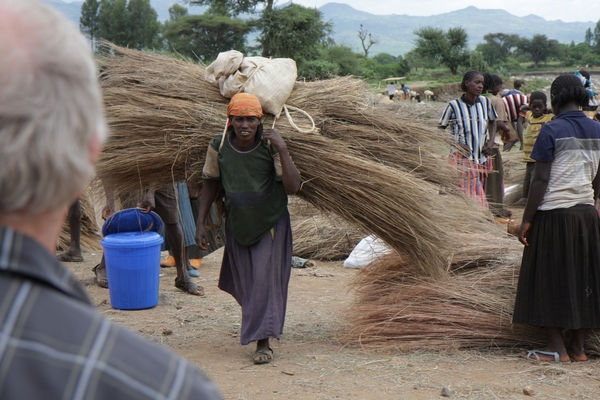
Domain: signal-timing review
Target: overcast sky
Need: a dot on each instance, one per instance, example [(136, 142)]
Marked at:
[(565, 10)]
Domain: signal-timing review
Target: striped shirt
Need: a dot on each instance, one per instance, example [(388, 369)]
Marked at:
[(469, 123), (571, 142), (55, 345), (513, 103)]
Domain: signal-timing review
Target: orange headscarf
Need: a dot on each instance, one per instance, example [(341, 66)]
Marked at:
[(244, 105)]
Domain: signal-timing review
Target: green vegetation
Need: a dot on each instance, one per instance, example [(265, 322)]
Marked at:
[(438, 57)]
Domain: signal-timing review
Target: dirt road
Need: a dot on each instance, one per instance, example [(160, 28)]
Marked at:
[(309, 361)]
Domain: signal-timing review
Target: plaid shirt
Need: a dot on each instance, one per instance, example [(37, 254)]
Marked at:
[(55, 345)]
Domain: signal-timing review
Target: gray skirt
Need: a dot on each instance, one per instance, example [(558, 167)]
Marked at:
[(257, 276)]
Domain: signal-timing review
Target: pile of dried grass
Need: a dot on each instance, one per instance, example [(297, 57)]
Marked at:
[(379, 172), (318, 235), (472, 309)]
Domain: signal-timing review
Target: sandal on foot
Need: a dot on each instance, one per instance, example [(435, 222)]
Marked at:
[(190, 287), (100, 280), (263, 356), (534, 355), (66, 257), (194, 273)]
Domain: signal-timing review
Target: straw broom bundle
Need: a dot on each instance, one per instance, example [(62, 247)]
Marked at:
[(473, 308), (395, 308), (324, 237), (162, 114), (147, 94)]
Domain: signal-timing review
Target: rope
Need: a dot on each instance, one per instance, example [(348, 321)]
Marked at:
[(291, 121), (224, 133)]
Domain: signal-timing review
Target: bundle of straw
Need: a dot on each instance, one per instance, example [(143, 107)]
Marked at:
[(379, 172), (324, 237), (472, 309)]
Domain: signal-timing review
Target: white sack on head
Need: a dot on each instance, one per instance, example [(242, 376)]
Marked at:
[(271, 80), (226, 64)]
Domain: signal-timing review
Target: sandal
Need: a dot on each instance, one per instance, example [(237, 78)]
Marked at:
[(263, 356), (190, 287), (100, 280), (534, 355)]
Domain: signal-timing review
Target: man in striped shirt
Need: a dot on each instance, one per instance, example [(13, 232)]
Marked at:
[(53, 342), (512, 104)]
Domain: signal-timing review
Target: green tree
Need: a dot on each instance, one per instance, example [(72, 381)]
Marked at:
[(113, 20), (204, 36), (232, 8), (176, 11), (497, 47), (539, 48), (589, 36), (293, 31), (477, 61), (578, 51), (88, 20), (347, 61), (318, 69), (144, 25), (384, 58), (448, 48), (596, 38)]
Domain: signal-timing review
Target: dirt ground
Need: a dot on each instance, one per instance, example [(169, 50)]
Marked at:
[(309, 361)]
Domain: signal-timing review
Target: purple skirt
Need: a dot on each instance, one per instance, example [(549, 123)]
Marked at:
[(257, 276)]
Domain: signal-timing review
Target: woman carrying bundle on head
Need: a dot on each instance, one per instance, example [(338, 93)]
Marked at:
[(559, 281), (256, 172), (472, 122)]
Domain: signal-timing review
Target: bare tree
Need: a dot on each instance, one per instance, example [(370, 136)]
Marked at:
[(362, 34)]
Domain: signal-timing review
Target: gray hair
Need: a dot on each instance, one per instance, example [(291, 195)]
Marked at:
[(50, 108)]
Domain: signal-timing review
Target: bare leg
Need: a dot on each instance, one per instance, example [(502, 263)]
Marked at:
[(576, 349), (556, 344), (74, 253), (183, 281), (100, 272), (75, 228)]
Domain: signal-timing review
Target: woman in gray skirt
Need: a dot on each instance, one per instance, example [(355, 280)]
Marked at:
[(256, 172)]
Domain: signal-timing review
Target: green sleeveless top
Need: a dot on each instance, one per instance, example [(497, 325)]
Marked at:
[(255, 198)]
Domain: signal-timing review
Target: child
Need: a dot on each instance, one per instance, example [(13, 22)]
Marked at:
[(559, 279), (470, 118), (535, 117)]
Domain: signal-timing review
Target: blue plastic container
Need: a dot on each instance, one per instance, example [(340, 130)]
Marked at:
[(132, 269)]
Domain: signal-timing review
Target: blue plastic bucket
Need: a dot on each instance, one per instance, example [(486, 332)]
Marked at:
[(132, 269)]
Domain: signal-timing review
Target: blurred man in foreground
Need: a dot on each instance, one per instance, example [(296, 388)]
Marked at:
[(53, 343)]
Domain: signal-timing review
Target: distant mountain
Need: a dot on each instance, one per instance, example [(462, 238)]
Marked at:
[(395, 32)]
